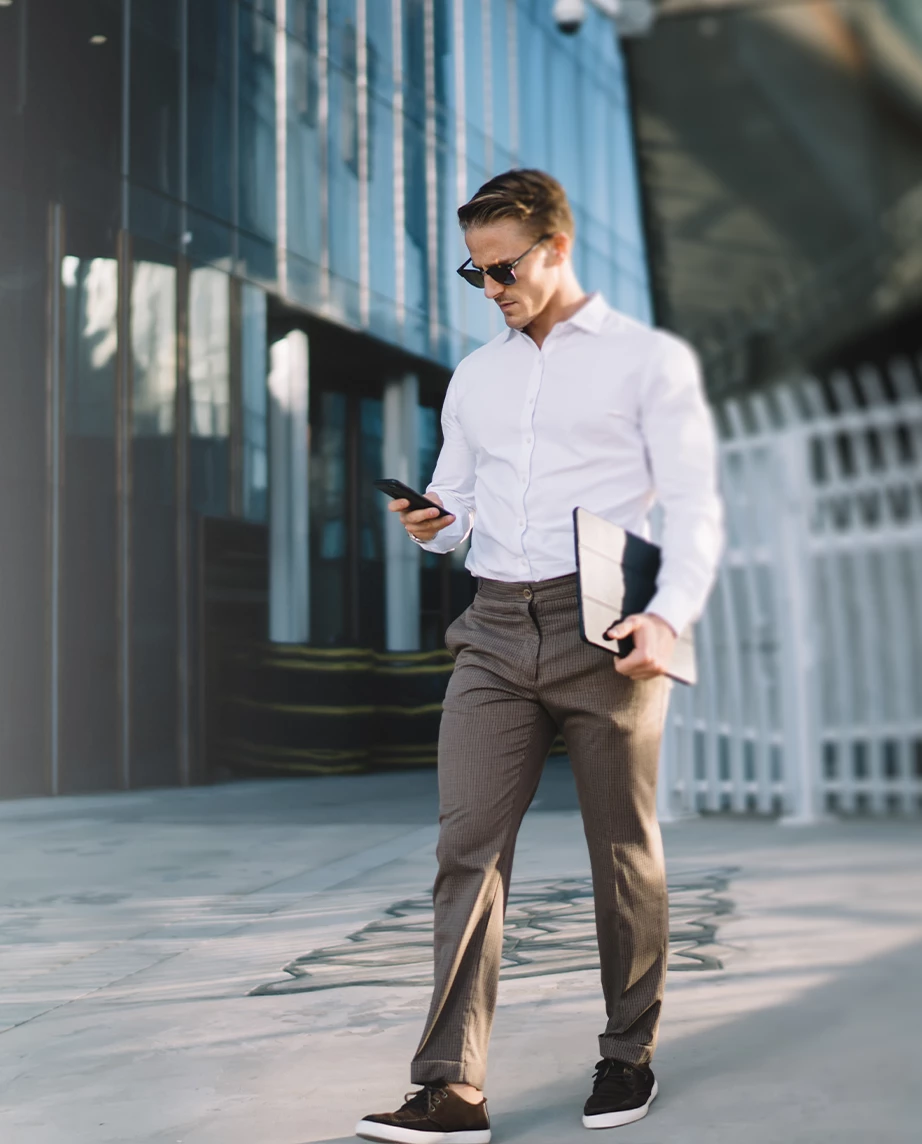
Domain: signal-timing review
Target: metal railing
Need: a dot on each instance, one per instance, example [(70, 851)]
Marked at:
[(810, 699)]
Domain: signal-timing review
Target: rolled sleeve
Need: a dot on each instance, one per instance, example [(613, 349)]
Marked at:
[(682, 452), (453, 479)]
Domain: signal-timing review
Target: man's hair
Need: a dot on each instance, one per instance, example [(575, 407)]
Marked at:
[(532, 197)]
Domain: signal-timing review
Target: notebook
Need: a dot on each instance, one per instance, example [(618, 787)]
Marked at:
[(616, 577)]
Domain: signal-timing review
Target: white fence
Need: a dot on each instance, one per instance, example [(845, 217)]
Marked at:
[(810, 651)]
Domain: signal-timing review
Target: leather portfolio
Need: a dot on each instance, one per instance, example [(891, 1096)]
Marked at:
[(616, 577)]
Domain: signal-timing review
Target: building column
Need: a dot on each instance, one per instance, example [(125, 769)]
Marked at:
[(289, 588), (401, 555)]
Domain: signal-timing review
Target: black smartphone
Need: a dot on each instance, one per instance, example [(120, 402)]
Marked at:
[(399, 491)]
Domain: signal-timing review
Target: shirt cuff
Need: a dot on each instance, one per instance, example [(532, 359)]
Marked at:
[(674, 606), (450, 537)]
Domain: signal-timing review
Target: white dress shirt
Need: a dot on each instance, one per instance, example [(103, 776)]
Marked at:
[(608, 414)]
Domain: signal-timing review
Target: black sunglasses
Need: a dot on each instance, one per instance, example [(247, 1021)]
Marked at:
[(502, 272)]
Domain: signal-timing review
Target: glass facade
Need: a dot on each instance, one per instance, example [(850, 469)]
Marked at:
[(186, 181), (321, 149)]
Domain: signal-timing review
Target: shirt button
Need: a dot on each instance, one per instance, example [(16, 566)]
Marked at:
[(521, 524), (528, 440)]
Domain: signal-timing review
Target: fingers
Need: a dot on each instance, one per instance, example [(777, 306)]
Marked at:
[(423, 524), (643, 662), (626, 627), (639, 666), (418, 515)]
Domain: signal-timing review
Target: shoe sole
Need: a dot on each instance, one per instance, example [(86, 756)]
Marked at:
[(616, 1119), (392, 1134)]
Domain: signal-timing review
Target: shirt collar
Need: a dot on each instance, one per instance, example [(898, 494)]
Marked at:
[(590, 317)]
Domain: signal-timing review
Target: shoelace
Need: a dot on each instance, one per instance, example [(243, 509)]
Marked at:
[(612, 1075), (425, 1098)]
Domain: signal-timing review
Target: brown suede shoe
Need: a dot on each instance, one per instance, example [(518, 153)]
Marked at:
[(433, 1115)]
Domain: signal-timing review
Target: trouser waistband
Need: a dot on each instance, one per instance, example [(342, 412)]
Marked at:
[(558, 587)]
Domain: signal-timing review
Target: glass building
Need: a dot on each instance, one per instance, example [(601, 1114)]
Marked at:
[(227, 251)]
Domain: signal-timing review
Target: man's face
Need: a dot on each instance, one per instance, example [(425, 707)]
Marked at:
[(536, 276)]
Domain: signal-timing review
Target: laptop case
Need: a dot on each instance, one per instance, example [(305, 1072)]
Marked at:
[(616, 577)]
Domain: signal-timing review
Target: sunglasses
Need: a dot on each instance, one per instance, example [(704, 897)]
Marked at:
[(502, 272)]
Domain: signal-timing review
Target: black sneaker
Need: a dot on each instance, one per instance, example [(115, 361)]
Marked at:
[(430, 1116), (621, 1094)]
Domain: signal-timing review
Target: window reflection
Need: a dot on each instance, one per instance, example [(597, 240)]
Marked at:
[(153, 575), (370, 585), (153, 344), (88, 636), (414, 174), (257, 125), (304, 157), (209, 390), (154, 104), (254, 404), (328, 510), (209, 130), (343, 161), (382, 254), (91, 341)]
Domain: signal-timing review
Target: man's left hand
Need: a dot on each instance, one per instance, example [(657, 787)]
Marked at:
[(654, 641)]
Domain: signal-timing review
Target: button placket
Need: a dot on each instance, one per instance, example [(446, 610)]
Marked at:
[(536, 376), (528, 436)]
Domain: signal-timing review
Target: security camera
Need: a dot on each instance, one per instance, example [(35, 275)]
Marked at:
[(569, 15)]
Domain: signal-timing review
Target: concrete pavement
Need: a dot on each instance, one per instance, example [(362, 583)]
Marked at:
[(135, 929)]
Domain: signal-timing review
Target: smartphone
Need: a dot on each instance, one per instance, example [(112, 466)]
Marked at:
[(400, 491)]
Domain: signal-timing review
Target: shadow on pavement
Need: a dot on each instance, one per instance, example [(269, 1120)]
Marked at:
[(838, 1062)]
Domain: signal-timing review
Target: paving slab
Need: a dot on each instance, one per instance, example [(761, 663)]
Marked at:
[(145, 999)]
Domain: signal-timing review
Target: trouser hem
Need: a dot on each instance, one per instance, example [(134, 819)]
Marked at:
[(451, 1072), (629, 1052)]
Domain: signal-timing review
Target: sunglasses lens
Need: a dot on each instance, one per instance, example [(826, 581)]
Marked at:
[(504, 275), (473, 276)]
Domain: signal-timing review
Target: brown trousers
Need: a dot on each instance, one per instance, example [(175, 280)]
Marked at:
[(521, 673)]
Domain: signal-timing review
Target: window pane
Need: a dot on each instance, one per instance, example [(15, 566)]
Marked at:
[(154, 103), (153, 526), (380, 49), (533, 93), (371, 525), (328, 525), (343, 171), (209, 143), (499, 65), (88, 713), (257, 128), (343, 155), (304, 144), (209, 390), (254, 399), (473, 90), (382, 261)]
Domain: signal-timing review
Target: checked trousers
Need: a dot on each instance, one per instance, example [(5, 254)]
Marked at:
[(521, 674)]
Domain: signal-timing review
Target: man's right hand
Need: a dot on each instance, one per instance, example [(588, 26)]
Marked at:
[(423, 523)]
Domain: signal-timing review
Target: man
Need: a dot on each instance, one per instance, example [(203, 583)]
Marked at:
[(572, 404)]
